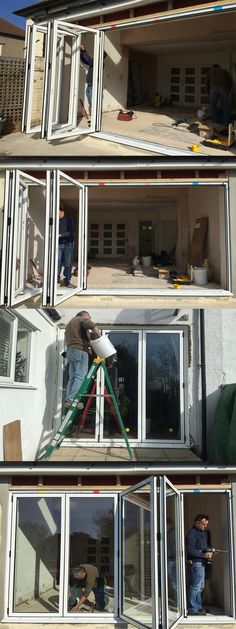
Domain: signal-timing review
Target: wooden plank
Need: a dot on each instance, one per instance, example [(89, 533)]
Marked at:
[(12, 449)]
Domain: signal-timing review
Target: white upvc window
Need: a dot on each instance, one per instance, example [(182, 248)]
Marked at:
[(15, 349)]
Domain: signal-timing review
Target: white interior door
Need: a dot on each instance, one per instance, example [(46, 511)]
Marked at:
[(63, 192), (66, 97)]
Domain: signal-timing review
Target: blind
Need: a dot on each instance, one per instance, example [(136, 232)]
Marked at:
[(5, 345)]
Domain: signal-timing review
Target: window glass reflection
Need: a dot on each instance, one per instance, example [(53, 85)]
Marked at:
[(37, 560)]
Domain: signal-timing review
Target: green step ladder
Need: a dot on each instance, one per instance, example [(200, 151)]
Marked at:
[(73, 409)]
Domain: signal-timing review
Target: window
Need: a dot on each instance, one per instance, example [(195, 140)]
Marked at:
[(15, 349)]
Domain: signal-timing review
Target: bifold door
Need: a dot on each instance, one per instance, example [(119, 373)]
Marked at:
[(22, 237), (151, 555), (54, 291), (55, 84)]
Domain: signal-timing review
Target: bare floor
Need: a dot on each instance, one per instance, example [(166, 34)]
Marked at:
[(76, 452), (168, 126), (112, 273), (160, 127)]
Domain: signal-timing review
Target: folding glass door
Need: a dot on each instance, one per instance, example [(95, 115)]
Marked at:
[(55, 101)]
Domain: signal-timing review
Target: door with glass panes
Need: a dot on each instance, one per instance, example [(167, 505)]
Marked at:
[(33, 260), (148, 381), (22, 237), (55, 100), (55, 534)]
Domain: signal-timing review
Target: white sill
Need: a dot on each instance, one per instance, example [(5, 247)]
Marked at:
[(17, 385)]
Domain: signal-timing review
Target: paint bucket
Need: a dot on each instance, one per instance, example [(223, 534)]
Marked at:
[(103, 347), (199, 275), (146, 260)]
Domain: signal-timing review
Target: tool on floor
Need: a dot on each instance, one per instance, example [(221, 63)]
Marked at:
[(87, 389)]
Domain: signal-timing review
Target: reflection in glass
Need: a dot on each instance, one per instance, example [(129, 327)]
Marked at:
[(67, 255), (37, 560), (124, 379), (91, 546), (136, 564), (22, 353), (173, 558), (162, 386)]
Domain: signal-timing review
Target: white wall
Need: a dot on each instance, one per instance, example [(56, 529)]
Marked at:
[(33, 404), (209, 202)]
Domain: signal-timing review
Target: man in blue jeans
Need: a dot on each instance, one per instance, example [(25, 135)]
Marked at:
[(77, 338), (197, 554), (218, 85), (65, 248)]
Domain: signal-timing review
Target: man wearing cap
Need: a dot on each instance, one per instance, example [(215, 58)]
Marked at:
[(82, 582), (77, 338)]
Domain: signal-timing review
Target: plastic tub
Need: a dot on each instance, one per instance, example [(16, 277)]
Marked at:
[(103, 347), (146, 260), (199, 275)]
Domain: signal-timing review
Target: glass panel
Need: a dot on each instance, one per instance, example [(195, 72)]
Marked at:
[(173, 556), (22, 353), (68, 255), (162, 386), (29, 237), (124, 379), (84, 423), (137, 557), (38, 77), (6, 326), (37, 556), (91, 547)]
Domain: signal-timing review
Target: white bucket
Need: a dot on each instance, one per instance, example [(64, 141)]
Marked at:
[(103, 347), (199, 275), (146, 260)]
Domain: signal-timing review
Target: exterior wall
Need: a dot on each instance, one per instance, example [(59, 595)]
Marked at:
[(220, 362), (33, 404), (11, 47), (43, 395)]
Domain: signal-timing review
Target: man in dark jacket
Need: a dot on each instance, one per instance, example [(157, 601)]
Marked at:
[(65, 247), (197, 554), (88, 60), (77, 338), (85, 58), (218, 86)]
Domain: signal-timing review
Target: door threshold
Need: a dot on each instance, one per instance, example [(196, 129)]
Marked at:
[(209, 619), (165, 292), (160, 149)]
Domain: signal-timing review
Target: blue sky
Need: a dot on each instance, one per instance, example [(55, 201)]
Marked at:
[(8, 6)]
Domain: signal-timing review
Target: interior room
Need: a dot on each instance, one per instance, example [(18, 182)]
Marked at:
[(143, 237), (217, 596), (159, 71)]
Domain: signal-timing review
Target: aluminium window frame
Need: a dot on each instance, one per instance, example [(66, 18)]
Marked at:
[(31, 43), (62, 616), (116, 495), (140, 440), (209, 490), (9, 381), (11, 213), (197, 291)]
